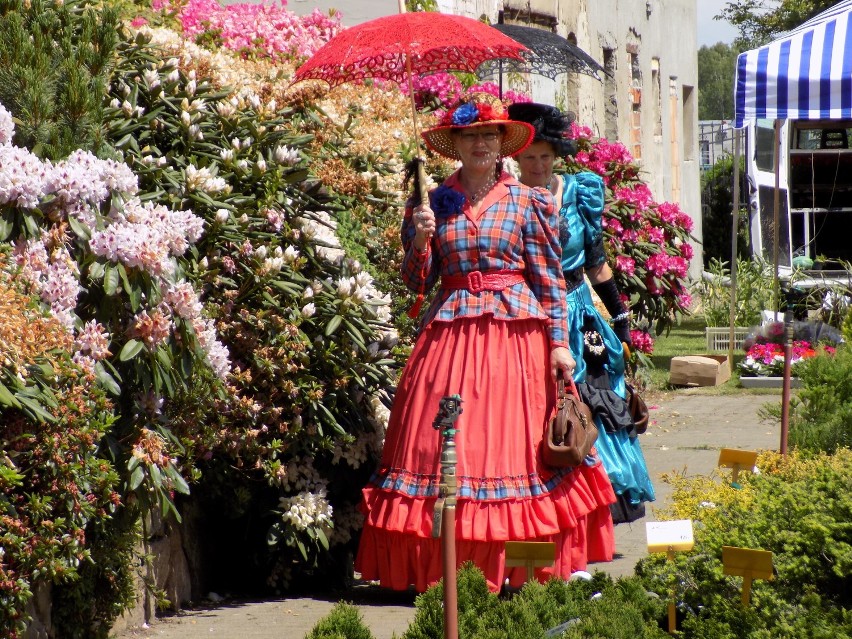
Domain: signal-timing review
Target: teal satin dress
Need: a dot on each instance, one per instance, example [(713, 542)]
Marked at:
[(581, 235)]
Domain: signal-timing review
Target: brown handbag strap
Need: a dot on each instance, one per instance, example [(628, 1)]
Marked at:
[(560, 420)]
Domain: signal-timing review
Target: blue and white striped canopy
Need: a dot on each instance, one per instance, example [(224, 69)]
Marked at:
[(806, 74)]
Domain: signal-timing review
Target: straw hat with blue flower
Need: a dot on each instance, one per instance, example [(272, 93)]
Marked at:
[(475, 110)]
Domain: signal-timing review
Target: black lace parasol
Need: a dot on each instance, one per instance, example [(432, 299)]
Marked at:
[(549, 55)]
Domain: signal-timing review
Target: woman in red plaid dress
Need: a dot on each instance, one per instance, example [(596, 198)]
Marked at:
[(496, 334)]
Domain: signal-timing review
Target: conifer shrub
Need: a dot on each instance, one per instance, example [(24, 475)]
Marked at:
[(600, 608), (343, 622), (55, 60)]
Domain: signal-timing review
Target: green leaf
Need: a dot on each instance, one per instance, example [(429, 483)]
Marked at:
[(135, 296), (106, 380), (96, 271), (7, 398), (32, 225), (330, 418), (7, 222), (156, 476), (180, 484), (81, 230), (125, 282), (111, 279), (34, 409), (130, 350), (323, 539), (302, 549), (355, 335), (186, 364), (164, 355), (332, 325), (137, 477)]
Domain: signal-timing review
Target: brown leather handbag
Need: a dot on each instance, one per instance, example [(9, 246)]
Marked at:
[(638, 410), (571, 433)]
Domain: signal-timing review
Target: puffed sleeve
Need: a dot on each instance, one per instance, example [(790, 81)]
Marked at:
[(418, 271), (590, 205), (543, 255)]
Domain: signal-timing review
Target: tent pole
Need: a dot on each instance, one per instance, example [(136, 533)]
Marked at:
[(776, 205), (734, 236)]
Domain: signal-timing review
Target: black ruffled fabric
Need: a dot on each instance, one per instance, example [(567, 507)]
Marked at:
[(608, 406)]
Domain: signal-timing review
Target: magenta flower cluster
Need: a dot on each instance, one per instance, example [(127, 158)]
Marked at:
[(446, 89), (767, 359), (266, 29), (647, 241)]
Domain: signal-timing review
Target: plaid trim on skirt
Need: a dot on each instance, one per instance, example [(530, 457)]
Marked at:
[(501, 370)]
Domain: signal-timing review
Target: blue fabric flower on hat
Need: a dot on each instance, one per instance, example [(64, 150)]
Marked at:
[(465, 114), (446, 201)]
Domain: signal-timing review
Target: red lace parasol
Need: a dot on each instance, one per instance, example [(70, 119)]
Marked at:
[(394, 47)]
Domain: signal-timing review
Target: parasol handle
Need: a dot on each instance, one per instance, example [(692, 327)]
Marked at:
[(421, 171), (421, 180)]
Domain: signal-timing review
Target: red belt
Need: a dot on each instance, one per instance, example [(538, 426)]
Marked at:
[(477, 281)]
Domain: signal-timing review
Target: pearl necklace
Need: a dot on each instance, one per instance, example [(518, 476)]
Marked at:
[(482, 191)]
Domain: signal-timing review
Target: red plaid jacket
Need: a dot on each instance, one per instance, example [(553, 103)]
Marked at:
[(516, 228)]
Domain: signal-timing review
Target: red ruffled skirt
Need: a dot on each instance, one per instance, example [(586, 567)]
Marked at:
[(505, 493)]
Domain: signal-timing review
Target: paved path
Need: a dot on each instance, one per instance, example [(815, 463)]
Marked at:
[(688, 427)]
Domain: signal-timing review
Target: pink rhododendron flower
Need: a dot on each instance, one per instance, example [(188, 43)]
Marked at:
[(625, 264), (638, 195), (578, 131), (642, 341), (656, 235), (267, 28)]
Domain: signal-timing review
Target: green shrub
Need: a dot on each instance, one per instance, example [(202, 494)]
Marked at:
[(623, 611), (754, 292), (88, 606), (54, 485), (343, 622), (821, 410), (306, 328), (796, 508)]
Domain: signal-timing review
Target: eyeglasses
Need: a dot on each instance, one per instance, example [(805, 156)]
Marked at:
[(488, 136)]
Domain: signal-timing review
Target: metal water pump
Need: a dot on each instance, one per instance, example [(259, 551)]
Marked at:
[(444, 518)]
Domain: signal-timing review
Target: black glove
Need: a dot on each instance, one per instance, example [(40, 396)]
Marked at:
[(608, 292), (621, 328)]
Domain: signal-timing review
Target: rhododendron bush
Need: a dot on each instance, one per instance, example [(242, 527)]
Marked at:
[(264, 29), (647, 242), (307, 329), (202, 277)]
